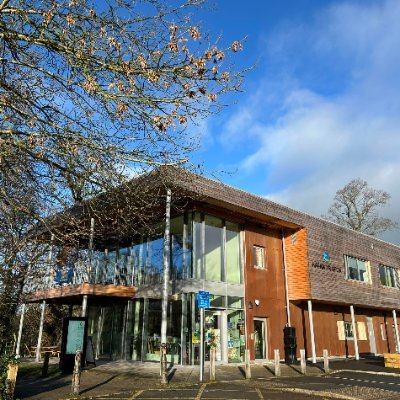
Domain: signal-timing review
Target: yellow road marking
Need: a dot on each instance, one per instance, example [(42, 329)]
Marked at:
[(201, 390)]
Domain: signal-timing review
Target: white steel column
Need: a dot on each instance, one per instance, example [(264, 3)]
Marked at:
[(286, 280), (123, 341), (183, 329), (353, 323), (396, 331), (311, 322), (84, 305), (21, 325), (39, 341), (100, 324)]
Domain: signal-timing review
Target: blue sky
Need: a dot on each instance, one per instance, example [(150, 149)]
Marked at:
[(321, 106)]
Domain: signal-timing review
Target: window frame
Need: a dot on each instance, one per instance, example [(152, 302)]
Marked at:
[(396, 276), (358, 260), (257, 247)]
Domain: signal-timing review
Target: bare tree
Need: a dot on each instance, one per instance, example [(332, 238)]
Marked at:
[(90, 92), (356, 207)]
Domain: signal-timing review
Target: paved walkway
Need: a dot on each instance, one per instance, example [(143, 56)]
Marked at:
[(133, 380)]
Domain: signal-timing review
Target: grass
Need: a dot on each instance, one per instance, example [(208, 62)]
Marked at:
[(30, 370)]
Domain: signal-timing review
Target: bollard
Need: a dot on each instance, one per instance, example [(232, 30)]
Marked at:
[(11, 379), (76, 376), (326, 361), (277, 360), (303, 361), (247, 363), (163, 364), (212, 364), (45, 367)]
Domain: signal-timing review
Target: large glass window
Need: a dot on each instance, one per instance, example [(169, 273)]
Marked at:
[(152, 339), (389, 276), (177, 248), (213, 248), (348, 330), (139, 261), (233, 273), (155, 261), (111, 264), (357, 269), (197, 246)]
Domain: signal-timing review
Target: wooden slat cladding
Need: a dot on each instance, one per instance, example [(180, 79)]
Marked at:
[(79, 290), (265, 285), (298, 277)]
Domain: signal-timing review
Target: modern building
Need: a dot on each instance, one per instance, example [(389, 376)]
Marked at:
[(266, 266)]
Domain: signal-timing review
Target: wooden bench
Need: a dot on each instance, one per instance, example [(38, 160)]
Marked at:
[(392, 360), (53, 350)]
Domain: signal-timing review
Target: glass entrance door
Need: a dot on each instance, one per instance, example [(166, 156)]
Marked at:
[(213, 327), (260, 344)]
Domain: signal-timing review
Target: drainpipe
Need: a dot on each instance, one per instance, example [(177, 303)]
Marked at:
[(286, 281)]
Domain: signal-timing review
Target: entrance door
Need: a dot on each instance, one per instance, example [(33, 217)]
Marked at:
[(371, 334), (213, 330), (260, 338)]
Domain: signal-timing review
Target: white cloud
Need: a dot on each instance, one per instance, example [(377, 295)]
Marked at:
[(314, 143)]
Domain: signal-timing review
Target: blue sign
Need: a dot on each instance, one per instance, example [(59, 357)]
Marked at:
[(327, 258), (203, 299)]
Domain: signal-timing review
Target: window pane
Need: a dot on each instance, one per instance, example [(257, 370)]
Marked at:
[(232, 253), (155, 261), (258, 257), (382, 275), (363, 270), (187, 256), (111, 261), (352, 268), (348, 329), (235, 302), (213, 248), (139, 259), (177, 247), (198, 249), (217, 301)]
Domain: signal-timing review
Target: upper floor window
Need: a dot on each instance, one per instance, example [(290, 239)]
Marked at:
[(258, 257), (348, 330), (389, 276), (357, 269)]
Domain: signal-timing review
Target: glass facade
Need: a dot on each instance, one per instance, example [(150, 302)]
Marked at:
[(202, 247)]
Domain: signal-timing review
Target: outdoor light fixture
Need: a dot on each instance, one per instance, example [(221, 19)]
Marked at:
[(250, 305), (257, 302)]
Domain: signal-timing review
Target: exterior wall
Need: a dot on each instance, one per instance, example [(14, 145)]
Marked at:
[(332, 285), (327, 285), (266, 285), (326, 334), (298, 279)]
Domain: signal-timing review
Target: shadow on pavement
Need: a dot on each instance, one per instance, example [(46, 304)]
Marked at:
[(98, 385)]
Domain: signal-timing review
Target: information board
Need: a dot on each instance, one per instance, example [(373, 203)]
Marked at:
[(75, 337), (203, 299)]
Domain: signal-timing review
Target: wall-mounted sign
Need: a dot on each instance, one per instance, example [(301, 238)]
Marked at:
[(327, 258), (327, 267)]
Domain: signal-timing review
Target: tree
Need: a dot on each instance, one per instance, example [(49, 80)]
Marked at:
[(90, 92), (356, 207)]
